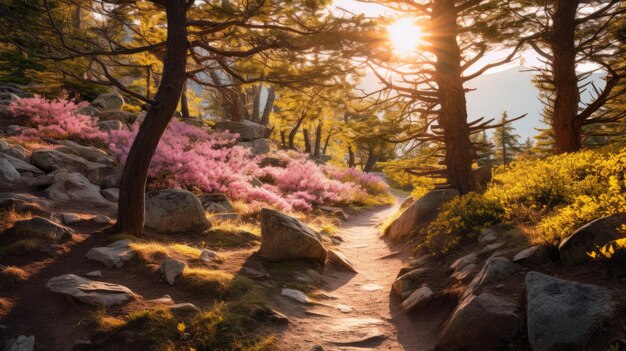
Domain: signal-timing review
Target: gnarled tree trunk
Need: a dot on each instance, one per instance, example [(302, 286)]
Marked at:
[(451, 95), (130, 216)]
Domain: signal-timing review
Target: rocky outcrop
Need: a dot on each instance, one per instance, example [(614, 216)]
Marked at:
[(21, 165), (247, 130), (483, 322), (419, 213), (173, 211), (90, 291), (89, 153), (114, 255), (24, 203), (75, 187), (561, 314), (285, 238), (576, 249), (41, 229), (50, 160), (8, 173)]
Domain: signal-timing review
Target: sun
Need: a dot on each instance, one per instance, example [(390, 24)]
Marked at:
[(405, 36)]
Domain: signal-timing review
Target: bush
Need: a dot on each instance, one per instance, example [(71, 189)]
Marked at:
[(462, 217)]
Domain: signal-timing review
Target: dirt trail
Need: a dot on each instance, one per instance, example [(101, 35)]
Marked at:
[(372, 318)]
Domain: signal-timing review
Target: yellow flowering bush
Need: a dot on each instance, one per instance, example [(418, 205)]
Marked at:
[(552, 196)]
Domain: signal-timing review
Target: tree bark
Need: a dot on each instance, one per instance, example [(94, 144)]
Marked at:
[(130, 216), (327, 141), (350, 157), (307, 141), (269, 104), (565, 125), (318, 140), (372, 157), (283, 139), (294, 131), (451, 95), (184, 105)]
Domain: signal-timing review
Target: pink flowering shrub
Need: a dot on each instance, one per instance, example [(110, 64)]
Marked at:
[(194, 158), (58, 119)]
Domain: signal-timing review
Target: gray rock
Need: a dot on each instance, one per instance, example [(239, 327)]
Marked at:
[(284, 238), (89, 153), (490, 248), (526, 254), (21, 165), (101, 219), (493, 233), (495, 271), (215, 203), (247, 130), (74, 187), (339, 258), (111, 194), (7, 98), (112, 181), (41, 228), (208, 257), (465, 273), (464, 261), (89, 110), (95, 274), (18, 152), (418, 298), (419, 213), (257, 146), (174, 211), (171, 269), (484, 322), (108, 126), (406, 283), (591, 237), (4, 145), (296, 295), (273, 162), (184, 309), (50, 160), (21, 343), (114, 255), (90, 291), (109, 101), (14, 129), (69, 218), (8, 173), (561, 314)]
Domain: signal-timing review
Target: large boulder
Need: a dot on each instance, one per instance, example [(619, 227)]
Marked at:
[(24, 203), (591, 237), (247, 130), (285, 238), (89, 153), (114, 255), (108, 101), (90, 291), (74, 187), (419, 213), (561, 314), (483, 322), (8, 173), (41, 229), (174, 211), (50, 160)]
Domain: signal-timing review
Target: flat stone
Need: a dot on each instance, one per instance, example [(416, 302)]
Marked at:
[(94, 274), (89, 291), (172, 269), (41, 228), (355, 332), (417, 299), (561, 314), (341, 260), (371, 287), (344, 308), (296, 295), (525, 254), (114, 255)]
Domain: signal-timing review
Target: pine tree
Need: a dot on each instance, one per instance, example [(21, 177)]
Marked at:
[(506, 141)]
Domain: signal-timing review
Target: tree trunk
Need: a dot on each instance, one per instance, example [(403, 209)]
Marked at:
[(453, 113), (566, 96), (307, 141), (184, 105), (327, 141), (283, 139), (130, 216), (350, 157), (318, 140), (269, 104), (294, 130), (256, 103), (372, 157)]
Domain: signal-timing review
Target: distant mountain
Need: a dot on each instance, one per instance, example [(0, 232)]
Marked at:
[(511, 90)]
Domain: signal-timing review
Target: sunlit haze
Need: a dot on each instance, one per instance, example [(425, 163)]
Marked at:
[(405, 36)]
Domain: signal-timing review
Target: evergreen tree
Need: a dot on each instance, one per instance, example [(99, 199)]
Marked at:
[(506, 141)]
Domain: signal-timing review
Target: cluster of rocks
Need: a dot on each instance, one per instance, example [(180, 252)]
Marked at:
[(108, 109), (492, 313), (251, 135), (10, 92)]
